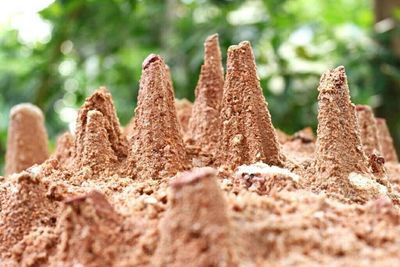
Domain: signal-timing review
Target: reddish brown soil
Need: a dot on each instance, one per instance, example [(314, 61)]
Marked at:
[(27, 138), (158, 195)]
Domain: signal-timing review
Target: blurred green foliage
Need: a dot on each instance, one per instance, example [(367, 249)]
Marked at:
[(96, 43)]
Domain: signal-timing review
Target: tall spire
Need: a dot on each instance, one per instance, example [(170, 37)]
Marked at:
[(27, 138), (339, 149), (157, 147), (248, 135), (204, 124), (341, 166)]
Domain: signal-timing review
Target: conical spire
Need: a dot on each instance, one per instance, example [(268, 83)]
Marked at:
[(27, 138), (90, 232), (204, 124), (248, 135), (157, 146), (196, 218), (101, 101), (386, 141), (341, 164), (368, 130), (97, 151)]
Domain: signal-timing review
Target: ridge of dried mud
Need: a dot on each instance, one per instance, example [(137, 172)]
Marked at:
[(218, 187)]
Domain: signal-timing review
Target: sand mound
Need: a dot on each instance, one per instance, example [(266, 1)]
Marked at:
[(135, 197)]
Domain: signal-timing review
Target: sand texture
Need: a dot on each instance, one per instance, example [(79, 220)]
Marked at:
[(211, 183)]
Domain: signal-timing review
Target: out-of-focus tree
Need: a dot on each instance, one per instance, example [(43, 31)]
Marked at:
[(96, 43)]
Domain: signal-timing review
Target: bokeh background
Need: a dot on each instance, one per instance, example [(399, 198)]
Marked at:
[(55, 53)]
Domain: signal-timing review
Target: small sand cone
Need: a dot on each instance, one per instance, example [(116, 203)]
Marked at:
[(23, 206), (97, 153), (101, 101), (368, 130), (248, 135), (27, 138), (386, 141), (341, 165), (157, 147), (195, 228), (183, 112), (90, 232), (204, 125), (64, 149)]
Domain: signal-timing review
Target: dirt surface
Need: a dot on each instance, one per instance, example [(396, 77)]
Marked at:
[(156, 195)]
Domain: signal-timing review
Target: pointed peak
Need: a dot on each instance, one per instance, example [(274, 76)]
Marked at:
[(244, 46), (157, 149), (212, 38), (248, 135), (339, 151), (334, 79), (155, 74), (212, 52), (99, 96), (241, 58), (27, 138), (150, 59), (204, 125), (101, 100)]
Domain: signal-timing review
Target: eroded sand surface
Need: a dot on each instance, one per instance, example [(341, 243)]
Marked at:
[(217, 187)]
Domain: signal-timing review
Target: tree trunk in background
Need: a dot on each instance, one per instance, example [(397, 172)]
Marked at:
[(387, 77)]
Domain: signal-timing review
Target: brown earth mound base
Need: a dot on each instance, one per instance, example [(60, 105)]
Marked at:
[(211, 183)]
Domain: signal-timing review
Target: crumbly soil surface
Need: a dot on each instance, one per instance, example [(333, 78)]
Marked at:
[(150, 195)]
